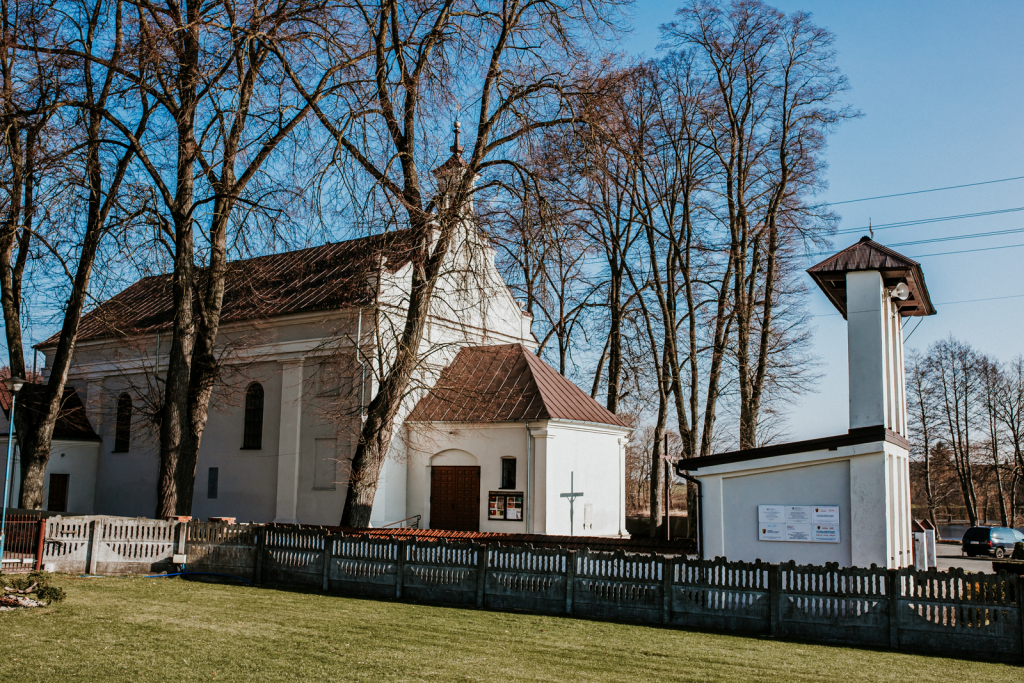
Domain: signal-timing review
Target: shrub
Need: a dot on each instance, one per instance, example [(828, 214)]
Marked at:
[(50, 594), (42, 588)]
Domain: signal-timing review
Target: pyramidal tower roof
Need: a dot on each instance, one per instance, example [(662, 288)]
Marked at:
[(867, 254)]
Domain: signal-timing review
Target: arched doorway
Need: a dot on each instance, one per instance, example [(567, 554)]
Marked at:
[(454, 491)]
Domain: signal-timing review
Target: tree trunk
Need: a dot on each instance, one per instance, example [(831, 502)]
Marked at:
[(614, 341), (36, 441), (174, 412), (375, 437)]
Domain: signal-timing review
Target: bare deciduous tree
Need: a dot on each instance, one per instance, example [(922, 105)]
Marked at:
[(89, 38), (514, 60)]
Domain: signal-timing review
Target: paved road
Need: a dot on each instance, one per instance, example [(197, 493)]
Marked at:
[(948, 556)]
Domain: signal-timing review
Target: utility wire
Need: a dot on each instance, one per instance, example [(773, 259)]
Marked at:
[(968, 251), (905, 194), (940, 303), (924, 221), (951, 238), (941, 253)]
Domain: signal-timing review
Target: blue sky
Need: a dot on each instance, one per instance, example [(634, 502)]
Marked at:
[(940, 88)]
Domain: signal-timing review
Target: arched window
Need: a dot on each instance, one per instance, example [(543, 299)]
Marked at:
[(252, 434), (123, 425)]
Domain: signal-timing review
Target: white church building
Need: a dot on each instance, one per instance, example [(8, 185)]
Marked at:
[(305, 338)]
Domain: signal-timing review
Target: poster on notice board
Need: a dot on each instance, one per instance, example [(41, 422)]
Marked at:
[(798, 523)]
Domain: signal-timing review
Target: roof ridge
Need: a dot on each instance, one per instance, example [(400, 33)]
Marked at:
[(870, 244), (566, 390), (525, 354)]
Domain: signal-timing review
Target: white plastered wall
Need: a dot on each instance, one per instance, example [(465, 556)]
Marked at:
[(78, 459), (870, 483), (480, 445), (594, 453)]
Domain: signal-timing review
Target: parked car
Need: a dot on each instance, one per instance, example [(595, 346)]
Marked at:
[(990, 540)]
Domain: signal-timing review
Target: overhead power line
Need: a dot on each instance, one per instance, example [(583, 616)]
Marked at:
[(942, 253), (953, 238), (968, 251), (940, 303), (935, 189), (924, 221)]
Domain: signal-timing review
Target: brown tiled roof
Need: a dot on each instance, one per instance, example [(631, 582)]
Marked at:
[(315, 279), (506, 383), (866, 254), (72, 422)]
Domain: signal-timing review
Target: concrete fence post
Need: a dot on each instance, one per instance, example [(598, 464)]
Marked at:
[(95, 531), (400, 567), (570, 579), (257, 570), (667, 571), (774, 599), (892, 588), (481, 572), (1018, 586), (182, 536), (327, 557)]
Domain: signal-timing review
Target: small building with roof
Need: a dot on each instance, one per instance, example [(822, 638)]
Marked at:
[(844, 498), (70, 479), (504, 443)]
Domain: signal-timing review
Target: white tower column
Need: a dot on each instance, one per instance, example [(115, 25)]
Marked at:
[(875, 339)]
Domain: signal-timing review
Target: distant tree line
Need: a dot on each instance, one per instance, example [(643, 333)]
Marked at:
[(966, 416)]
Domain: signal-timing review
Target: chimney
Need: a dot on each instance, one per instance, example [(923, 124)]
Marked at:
[(874, 288)]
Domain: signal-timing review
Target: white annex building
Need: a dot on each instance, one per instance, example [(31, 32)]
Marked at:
[(305, 337), (846, 498)]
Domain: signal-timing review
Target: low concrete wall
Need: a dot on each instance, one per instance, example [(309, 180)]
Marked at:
[(111, 545), (950, 613), (954, 612)]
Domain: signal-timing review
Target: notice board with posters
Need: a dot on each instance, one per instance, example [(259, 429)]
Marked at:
[(798, 523)]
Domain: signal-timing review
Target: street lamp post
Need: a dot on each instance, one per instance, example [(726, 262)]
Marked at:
[(14, 385)]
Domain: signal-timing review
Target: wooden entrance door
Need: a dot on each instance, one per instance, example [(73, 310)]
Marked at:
[(58, 500), (455, 498)]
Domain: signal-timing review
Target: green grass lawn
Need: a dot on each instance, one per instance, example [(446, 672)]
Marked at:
[(137, 629)]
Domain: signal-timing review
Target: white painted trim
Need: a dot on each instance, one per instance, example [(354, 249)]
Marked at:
[(794, 459)]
